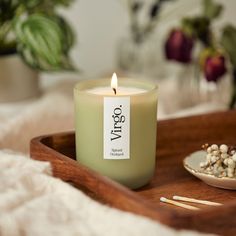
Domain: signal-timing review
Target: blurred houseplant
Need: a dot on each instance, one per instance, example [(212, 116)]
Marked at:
[(33, 37), (139, 52), (217, 53)]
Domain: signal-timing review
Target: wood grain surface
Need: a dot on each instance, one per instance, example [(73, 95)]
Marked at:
[(176, 138)]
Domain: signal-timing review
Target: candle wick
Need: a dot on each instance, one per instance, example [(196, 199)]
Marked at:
[(114, 90)]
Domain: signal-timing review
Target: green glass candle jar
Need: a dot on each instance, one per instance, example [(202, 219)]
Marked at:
[(116, 128)]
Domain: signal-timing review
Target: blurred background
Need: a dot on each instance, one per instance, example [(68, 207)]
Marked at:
[(187, 47), (100, 25), (106, 43)]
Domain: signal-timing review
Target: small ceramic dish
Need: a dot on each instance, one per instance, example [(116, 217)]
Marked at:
[(192, 165)]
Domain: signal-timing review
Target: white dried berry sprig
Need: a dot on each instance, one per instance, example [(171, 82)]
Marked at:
[(220, 160)]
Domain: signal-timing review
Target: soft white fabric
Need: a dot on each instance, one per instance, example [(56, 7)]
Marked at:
[(51, 113), (34, 203)]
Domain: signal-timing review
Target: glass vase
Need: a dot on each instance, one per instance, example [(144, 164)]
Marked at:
[(140, 57), (195, 89)]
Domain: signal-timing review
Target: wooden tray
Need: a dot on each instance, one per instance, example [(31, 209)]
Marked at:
[(175, 139)]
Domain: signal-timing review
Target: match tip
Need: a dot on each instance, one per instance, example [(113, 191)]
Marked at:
[(162, 199)]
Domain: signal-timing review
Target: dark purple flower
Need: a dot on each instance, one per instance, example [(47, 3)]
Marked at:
[(214, 67), (179, 46)]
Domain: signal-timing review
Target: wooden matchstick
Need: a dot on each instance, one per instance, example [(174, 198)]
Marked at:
[(163, 199), (186, 199)]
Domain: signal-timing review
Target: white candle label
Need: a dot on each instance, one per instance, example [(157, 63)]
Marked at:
[(116, 128)]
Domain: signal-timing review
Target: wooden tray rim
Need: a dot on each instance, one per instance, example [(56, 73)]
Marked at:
[(152, 211)]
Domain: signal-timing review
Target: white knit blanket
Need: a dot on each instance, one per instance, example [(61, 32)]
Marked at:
[(32, 202)]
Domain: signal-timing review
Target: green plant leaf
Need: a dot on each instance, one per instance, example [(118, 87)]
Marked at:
[(44, 42), (211, 9), (29, 4), (68, 35), (199, 27), (62, 2), (44, 5), (228, 41)]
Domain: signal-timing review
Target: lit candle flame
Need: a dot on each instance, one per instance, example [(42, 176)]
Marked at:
[(114, 82)]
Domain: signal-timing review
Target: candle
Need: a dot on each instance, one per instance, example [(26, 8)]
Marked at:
[(116, 128)]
